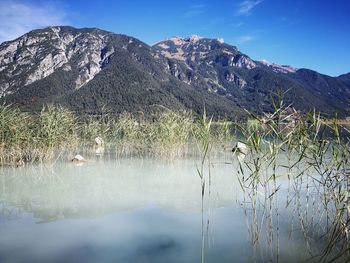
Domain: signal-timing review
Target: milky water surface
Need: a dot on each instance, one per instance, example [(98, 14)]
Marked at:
[(133, 210)]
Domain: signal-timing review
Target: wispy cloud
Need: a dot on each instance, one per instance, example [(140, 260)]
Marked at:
[(194, 10), (18, 17), (244, 39), (245, 8)]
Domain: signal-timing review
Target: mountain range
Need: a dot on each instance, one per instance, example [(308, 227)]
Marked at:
[(89, 70)]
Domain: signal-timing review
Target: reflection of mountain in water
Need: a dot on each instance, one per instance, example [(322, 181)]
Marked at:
[(97, 188)]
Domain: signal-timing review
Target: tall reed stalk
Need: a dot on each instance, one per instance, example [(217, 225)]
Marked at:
[(317, 165)]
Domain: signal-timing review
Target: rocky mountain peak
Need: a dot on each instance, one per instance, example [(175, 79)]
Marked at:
[(220, 40), (203, 50), (86, 68), (40, 53), (179, 41), (279, 68), (283, 68), (195, 38)]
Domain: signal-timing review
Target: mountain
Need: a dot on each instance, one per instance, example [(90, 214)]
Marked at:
[(250, 83), (90, 69), (345, 78)]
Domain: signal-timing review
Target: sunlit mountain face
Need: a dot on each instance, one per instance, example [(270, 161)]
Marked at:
[(87, 69)]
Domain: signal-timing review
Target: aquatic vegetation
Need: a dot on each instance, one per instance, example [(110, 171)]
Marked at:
[(165, 133), (91, 127), (102, 125), (311, 154), (170, 130), (316, 164), (222, 131), (56, 126), (202, 133), (15, 135), (15, 130)]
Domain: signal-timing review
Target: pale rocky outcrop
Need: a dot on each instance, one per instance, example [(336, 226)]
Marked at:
[(279, 68), (202, 56), (283, 68), (230, 77), (46, 67), (242, 62), (34, 60)]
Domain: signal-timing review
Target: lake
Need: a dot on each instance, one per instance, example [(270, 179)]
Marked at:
[(147, 209)]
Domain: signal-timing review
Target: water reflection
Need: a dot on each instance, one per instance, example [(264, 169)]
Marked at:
[(132, 210), (97, 188)]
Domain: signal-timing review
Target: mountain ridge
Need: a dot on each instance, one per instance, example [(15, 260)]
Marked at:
[(87, 68)]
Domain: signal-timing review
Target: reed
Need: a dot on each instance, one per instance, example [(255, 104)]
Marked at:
[(316, 158), (164, 133), (203, 135), (56, 126), (170, 131), (317, 166), (33, 137), (15, 128)]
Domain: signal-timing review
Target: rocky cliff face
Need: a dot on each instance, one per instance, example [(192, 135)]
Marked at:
[(201, 57), (86, 69), (40, 53)]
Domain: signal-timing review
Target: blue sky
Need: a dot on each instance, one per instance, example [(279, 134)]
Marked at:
[(311, 34)]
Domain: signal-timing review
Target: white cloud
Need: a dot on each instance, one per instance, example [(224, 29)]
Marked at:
[(245, 7), (18, 17), (245, 39)]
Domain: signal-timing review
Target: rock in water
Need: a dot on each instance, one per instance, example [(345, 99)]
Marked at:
[(78, 158), (241, 148), (99, 141)]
